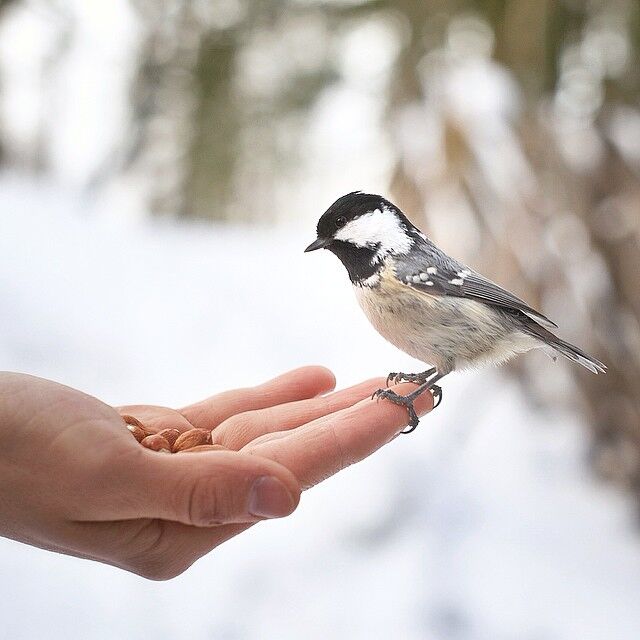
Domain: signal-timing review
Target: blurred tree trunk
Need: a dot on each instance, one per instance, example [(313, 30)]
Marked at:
[(3, 5), (162, 100), (213, 150), (223, 135)]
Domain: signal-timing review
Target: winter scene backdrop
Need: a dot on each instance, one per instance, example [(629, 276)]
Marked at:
[(182, 150)]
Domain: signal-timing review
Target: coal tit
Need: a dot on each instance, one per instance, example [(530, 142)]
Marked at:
[(427, 304)]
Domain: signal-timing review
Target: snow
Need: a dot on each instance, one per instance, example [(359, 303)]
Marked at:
[(485, 524)]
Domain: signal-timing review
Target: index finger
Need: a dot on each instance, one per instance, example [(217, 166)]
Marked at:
[(324, 446), (299, 384)]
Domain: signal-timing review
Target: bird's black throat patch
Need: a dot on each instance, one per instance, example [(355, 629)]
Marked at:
[(359, 262)]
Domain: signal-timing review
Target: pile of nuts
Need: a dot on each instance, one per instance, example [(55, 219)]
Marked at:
[(171, 440)]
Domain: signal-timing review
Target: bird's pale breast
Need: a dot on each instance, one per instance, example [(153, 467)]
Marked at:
[(450, 333)]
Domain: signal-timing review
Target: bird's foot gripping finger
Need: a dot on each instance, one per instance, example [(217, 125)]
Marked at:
[(408, 400), (404, 401), (415, 378)]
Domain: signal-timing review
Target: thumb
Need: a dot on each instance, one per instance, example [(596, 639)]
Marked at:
[(208, 488)]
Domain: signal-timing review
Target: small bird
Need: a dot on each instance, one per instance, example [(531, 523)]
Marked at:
[(427, 304)]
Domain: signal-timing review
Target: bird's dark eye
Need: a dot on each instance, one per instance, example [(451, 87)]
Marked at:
[(340, 221)]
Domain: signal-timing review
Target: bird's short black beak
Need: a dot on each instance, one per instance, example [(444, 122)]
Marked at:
[(318, 243)]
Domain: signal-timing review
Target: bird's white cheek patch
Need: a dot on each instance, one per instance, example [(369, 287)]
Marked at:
[(380, 227)]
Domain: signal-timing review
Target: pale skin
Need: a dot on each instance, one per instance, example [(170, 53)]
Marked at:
[(74, 480)]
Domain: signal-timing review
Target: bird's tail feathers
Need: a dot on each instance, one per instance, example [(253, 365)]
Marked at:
[(579, 356), (566, 349)]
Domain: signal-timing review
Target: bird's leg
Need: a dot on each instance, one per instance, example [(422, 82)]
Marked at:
[(408, 400), (416, 378)]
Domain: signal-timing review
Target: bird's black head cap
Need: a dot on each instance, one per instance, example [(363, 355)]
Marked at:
[(361, 229)]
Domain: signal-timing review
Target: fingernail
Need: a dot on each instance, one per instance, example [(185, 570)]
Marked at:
[(270, 498)]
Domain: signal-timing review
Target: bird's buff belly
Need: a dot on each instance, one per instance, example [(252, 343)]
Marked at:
[(449, 333)]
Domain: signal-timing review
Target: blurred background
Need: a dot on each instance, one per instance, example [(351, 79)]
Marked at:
[(162, 167)]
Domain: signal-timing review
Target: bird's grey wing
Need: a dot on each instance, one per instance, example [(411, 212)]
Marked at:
[(447, 277)]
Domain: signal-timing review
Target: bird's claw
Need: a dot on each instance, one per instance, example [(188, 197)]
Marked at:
[(415, 378), (404, 401), (436, 392)]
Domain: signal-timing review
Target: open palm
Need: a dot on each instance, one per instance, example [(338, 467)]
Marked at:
[(75, 480)]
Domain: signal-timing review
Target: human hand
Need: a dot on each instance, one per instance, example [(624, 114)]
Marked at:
[(73, 480)]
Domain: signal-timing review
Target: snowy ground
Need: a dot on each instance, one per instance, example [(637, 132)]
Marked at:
[(483, 525)]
